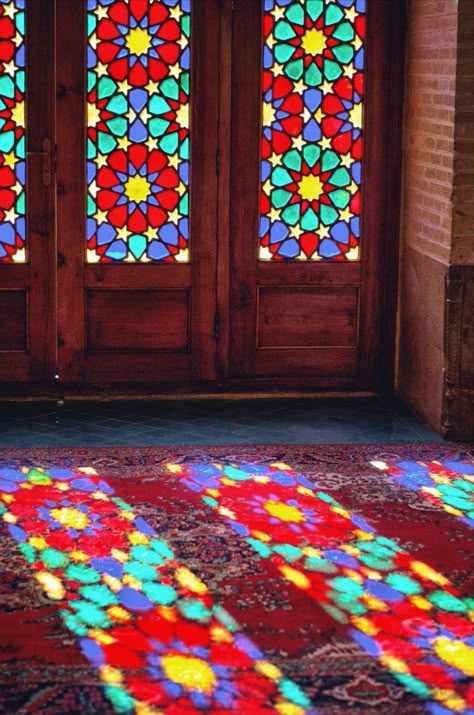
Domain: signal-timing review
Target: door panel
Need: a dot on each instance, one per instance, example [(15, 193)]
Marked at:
[(308, 234), (27, 244), (140, 307), (265, 278)]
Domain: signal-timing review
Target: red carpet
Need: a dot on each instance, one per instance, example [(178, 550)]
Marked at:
[(292, 580)]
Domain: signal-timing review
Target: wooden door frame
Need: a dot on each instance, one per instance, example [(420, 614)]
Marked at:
[(381, 168), (389, 105), (35, 361), (78, 370)]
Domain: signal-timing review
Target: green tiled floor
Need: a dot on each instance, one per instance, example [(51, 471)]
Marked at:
[(207, 422)]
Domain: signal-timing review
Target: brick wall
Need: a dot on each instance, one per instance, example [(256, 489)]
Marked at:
[(426, 206), (463, 195), (436, 328), (429, 127)]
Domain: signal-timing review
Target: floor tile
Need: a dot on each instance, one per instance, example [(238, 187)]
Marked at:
[(194, 422)]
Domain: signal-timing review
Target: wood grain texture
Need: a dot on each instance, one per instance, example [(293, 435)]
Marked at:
[(13, 320), (34, 328), (370, 344), (291, 317), (71, 201), (137, 308), (137, 320)]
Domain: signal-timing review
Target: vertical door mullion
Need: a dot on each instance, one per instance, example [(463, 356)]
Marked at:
[(41, 238), (204, 186), (71, 200)]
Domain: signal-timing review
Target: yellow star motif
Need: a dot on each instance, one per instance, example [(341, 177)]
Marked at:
[(345, 214), (357, 43), (325, 143), (299, 86), (353, 188), (101, 160), (11, 216), (151, 233), (183, 42), (101, 12), (124, 86), (175, 71), (278, 70), (93, 189), (10, 68), (10, 10), (353, 254), (181, 188), (174, 217), (174, 161), (182, 116), (266, 188), (152, 143), (274, 215), (275, 159), (350, 14), (93, 41), (152, 87), (176, 13), (130, 115), (18, 188), (18, 39), (323, 232), (270, 41), (19, 257), (278, 12), (349, 71), (123, 233), (326, 87), (10, 160), (100, 216), (124, 143), (298, 143), (295, 232), (101, 70), (182, 256), (347, 160), (268, 114), (93, 115)]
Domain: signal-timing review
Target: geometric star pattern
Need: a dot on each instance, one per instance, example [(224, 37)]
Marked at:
[(12, 131), (138, 130), (311, 143)]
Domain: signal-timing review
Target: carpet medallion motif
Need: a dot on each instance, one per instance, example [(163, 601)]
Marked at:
[(253, 580)]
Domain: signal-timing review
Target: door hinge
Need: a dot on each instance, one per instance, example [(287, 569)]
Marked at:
[(218, 162), (217, 326)]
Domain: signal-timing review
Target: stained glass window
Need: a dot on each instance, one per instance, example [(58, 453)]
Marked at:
[(12, 131), (138, 130), (311, 148)]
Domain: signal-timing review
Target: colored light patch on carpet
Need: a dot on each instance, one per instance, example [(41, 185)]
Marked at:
[(396, 608), (147, 623), (447, 484)]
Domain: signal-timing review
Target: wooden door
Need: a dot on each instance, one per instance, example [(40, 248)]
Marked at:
[(137, 304), (27, 237), (313, 193)]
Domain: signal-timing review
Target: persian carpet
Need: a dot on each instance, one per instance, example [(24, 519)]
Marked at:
[(297, 580)]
